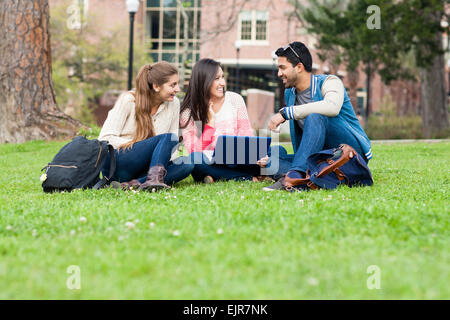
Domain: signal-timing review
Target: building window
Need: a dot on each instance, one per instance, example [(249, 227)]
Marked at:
[(253, 25), (165, 30), (246, 25)]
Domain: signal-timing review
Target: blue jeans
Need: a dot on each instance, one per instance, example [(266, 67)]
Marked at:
[(205, 167), (135, 162), (319, 133), (279, 161), (175, 171)]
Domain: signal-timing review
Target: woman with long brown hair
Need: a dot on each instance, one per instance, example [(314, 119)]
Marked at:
[(207, 112), (143, 129)]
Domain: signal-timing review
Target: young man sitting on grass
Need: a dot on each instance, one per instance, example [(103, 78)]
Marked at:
[(319, 110)]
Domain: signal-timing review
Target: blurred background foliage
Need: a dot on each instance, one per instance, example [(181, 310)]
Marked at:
[(387, 124), (89, 61)]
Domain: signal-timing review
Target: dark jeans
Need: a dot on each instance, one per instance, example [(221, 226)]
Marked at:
[(204, 167), (135, 162), (279, 163), (175, 171), (319, 133)]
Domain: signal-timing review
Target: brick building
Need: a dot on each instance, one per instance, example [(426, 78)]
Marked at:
[(258, 26)]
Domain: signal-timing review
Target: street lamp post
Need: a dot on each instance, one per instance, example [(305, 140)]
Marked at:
[(274, 79), (132, 8), (237, 44), (274, 67)]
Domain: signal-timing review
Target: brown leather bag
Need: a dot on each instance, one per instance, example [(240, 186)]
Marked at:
[(330, 161)]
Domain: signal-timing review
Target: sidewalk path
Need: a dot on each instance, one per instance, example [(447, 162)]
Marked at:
[(393, 141), (409, 141)]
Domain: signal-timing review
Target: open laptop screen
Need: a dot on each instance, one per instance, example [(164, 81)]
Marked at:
[(240, 149)]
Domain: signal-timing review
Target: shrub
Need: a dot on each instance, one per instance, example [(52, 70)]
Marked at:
[(388, 125)]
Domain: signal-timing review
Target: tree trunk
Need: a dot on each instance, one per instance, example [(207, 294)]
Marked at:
[(353, 77), (434, 98), (28, 109), (368, 89)]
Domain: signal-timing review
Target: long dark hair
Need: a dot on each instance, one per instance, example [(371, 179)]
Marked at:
[(197, 96)]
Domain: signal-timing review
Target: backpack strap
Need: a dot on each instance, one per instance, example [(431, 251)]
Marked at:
[(112, 169)]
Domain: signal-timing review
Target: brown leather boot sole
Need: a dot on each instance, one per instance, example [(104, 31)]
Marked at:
[(153, 187), (262, 179)]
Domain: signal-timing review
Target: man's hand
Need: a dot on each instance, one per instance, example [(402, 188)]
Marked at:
[(263, 161), (275, 121)]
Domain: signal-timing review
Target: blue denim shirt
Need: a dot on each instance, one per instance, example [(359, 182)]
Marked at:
[(346, 116)]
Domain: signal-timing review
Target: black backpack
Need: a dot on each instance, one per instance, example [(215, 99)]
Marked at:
[(77, 166)]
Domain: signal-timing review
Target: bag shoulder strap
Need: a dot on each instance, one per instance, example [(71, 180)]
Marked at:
[(112, 169), (290, 183), (347, 153)]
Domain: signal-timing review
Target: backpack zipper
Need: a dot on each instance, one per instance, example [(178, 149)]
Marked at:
[(44, 175), (99, 153), (61, 166)]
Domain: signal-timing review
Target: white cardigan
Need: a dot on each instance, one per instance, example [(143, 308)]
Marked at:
[(120, 124)]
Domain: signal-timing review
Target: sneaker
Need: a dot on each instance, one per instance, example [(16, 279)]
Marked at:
[(279, 185)]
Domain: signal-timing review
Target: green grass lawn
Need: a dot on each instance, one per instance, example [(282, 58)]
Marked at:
[(229, 240)]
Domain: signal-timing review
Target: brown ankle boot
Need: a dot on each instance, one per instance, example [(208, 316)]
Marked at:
[(155, 179)]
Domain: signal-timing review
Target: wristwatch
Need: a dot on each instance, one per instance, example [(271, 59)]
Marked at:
[(282, 111)]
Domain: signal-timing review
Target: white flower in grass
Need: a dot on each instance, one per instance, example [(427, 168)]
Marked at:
[(312, 281), (72, 232), (136, 221), (8, 227), (129, 225), (151, 224), (219, 231), (34, 233), (242, 197), (83, 219), (176, 233)]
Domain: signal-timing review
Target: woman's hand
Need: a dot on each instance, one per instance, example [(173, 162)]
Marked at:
[(263, 161)]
